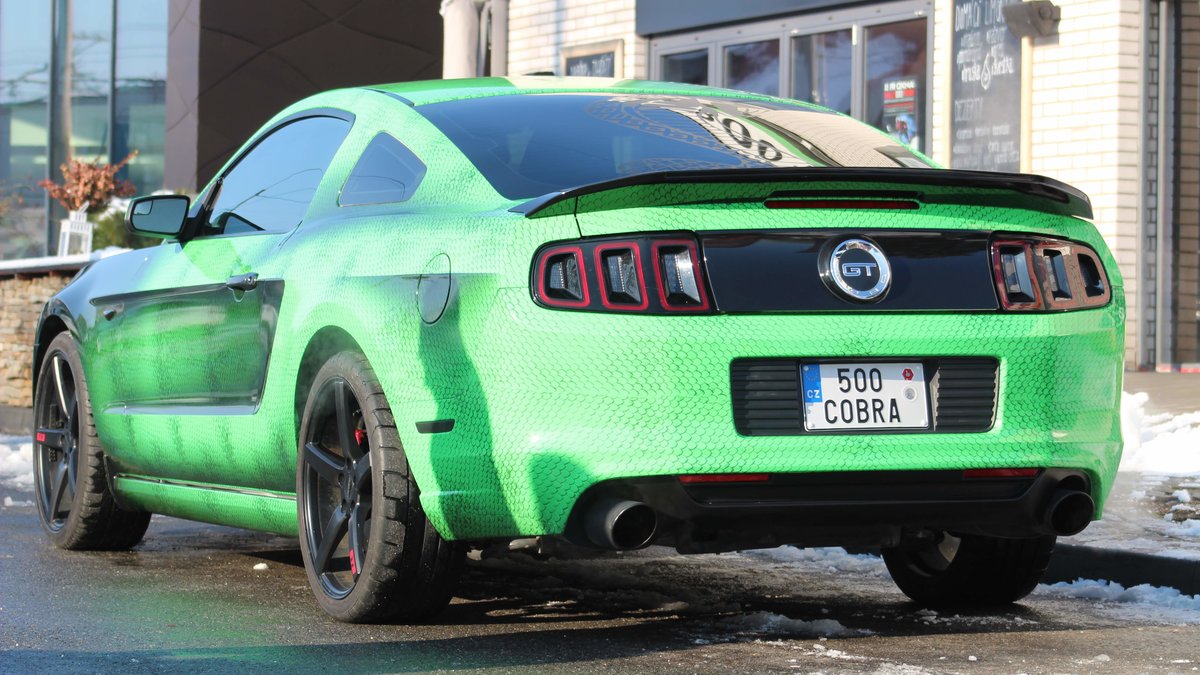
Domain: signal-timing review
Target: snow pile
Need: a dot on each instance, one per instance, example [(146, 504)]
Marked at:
[(9, 501), (1165, 444), (778, 624), (1187, 606), (16, 456), (830, 559)]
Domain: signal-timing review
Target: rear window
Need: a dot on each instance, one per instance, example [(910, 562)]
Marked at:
[(529, 145)]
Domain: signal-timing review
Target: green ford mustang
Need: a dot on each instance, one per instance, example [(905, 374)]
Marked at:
[(408, 319)]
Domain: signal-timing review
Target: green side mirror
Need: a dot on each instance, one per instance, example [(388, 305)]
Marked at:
[(158, 215)]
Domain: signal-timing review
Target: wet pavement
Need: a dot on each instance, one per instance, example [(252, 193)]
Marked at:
[(189, 599)]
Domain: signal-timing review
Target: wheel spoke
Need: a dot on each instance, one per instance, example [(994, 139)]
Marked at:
[(61, 481), (346, 424), (362, 473), (51, 438), (331, 534), (328, 467), (58, 385)]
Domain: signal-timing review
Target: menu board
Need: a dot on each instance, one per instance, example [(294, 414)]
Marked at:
[(985, 90)]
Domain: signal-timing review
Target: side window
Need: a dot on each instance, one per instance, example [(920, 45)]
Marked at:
[(386, 172), (271, 186)]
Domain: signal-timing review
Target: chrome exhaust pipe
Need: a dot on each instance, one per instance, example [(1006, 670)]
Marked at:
[(1069, 512), (620, 524)]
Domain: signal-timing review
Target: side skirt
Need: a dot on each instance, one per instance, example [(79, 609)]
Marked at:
[(222, 505)]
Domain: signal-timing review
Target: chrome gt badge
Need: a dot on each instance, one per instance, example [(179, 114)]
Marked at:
[(857, 270)]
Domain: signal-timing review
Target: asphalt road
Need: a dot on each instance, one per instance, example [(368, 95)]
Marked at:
[(189, 600)]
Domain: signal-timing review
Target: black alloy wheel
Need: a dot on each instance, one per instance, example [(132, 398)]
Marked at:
[(76, 507), (369, 551), (337, 488), (57, 455)]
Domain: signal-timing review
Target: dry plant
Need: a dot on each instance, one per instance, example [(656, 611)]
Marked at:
[(92, 183)]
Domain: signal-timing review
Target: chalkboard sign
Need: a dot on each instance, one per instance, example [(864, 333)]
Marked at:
[(601, 59), (986, 89), (592, 65)]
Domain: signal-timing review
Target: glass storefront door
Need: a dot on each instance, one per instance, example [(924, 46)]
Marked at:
[(869, 62)]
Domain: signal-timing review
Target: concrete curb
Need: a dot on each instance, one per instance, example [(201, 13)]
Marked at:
[(16, 420), (1071, 562)]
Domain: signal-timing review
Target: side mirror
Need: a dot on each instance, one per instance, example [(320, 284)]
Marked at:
[(160, 216)]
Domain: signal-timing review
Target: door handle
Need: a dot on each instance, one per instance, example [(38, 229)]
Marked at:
[(243, 282)]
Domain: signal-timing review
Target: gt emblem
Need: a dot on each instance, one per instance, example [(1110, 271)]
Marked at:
[(857, 270)]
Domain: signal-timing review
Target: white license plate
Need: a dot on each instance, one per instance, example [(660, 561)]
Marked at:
[(864, 396)]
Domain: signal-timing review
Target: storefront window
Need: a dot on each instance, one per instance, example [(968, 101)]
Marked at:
[(139, 97), (88, 55), (869, 62), (821, 69), (24, 93), (753, 66), (896, 80), (688, 67)]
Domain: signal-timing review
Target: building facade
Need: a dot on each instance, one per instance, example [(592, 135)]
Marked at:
[(1101, 94)]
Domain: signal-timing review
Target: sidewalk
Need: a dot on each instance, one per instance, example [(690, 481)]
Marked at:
[(1150, 533)]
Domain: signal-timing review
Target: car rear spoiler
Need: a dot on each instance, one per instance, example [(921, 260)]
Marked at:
[(927, 186)]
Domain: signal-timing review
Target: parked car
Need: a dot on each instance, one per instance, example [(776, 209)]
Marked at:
[(407, 319)]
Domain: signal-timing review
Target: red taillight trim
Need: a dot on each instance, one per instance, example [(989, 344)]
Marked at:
[(543, 257), (637, 261), (41, 437), (883, 204), (692, 479), (1038, 263), (1026, 247), (1000, 473), (660, 278)]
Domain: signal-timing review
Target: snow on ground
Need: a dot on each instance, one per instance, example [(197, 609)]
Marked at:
[(829, 559), (16, 468), (1159, 444), (1157, 602)]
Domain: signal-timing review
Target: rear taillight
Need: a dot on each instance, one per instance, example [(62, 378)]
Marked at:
[(653, 275), (1041, 274)]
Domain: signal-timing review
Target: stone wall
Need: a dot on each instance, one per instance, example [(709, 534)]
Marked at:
[(22, 296)]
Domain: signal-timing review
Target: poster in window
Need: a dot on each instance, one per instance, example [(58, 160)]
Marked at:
[(900, 110), (602, 59), (985, 92)]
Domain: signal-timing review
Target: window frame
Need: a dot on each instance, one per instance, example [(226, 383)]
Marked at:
[(212, 192), (856, 20)]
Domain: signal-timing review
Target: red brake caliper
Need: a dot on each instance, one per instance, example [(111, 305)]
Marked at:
[(360, 437)]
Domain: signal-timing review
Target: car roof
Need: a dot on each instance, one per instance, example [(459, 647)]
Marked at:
[(436, 91)]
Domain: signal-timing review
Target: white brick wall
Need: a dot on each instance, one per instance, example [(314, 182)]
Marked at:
[(538, 30), (1087, 121)]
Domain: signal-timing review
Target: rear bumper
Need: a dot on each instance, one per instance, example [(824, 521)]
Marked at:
[(556, 402), (871, 508)]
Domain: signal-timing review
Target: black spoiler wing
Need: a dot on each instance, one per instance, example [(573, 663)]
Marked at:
[(928, 186)]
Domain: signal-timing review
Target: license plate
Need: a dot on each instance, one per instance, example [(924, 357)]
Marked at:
[(864, 396)]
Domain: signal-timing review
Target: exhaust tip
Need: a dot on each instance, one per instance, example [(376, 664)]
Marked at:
[(1070, 512), (621, 524)]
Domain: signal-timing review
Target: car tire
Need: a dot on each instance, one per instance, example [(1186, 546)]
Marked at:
[(75, 505), (970, 570), (369, 551)]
